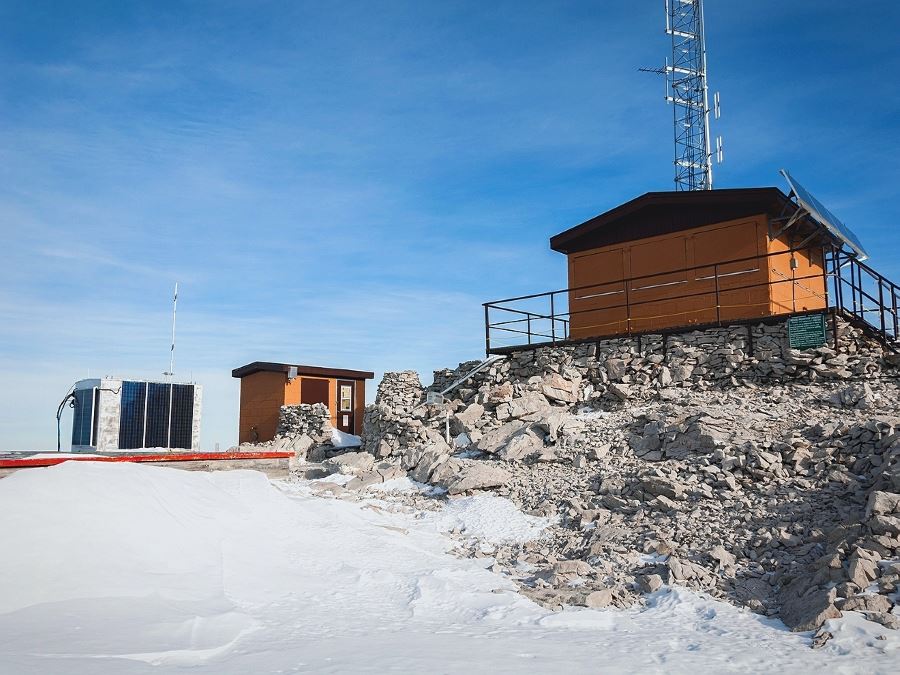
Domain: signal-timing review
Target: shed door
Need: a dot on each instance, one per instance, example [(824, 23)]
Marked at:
[(313, 390), (346, 397)]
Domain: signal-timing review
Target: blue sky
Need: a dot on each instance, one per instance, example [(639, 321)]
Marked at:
[(344, 183)]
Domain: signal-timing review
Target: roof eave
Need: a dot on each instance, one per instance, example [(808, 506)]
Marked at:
[(302, 370), (561, 242)]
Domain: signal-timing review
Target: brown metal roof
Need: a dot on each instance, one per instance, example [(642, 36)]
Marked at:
[(656, 213), (312, 371)]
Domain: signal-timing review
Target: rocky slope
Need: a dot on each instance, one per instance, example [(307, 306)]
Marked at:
[(770, 480)]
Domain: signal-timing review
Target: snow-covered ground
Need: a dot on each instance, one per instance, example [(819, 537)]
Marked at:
[(128, 568)]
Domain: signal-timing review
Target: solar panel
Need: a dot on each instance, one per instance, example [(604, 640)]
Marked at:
[(825, 217)]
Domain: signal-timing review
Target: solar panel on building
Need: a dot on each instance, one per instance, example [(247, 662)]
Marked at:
[(157, 434), (82, 423), (131, 417), (824, 217), (181, 430)]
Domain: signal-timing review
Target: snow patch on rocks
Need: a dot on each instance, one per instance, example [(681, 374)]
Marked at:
[(490, 518)]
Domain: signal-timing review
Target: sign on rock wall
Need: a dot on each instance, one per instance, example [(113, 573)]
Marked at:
[(806, 332)]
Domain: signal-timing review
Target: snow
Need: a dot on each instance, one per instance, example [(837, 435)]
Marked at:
[(339, 439), (401, 485), (490, 518), (27, 454), (129, 568)]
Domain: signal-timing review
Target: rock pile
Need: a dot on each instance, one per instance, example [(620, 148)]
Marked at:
[(313, 420), (720, 459), (303, 429), (389, 424)]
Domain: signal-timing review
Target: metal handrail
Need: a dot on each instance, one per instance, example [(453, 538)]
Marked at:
[(763, 256), (886, 304)]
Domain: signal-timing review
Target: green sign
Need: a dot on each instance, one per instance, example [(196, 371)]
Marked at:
[(806, 332)]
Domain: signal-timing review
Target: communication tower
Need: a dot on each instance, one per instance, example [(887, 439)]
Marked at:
[(687, 91)]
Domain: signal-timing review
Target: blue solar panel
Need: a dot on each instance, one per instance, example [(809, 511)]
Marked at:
[(825, 217)]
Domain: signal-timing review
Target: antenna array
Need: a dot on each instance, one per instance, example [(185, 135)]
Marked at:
[(686, 90)]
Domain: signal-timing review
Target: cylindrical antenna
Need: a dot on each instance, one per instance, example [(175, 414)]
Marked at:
[(171, 371)]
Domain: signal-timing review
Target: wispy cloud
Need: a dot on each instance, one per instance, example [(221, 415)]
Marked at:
[(344, 184)]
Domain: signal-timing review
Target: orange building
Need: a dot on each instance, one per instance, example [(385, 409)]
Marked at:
[(265, 387), (679, 259)]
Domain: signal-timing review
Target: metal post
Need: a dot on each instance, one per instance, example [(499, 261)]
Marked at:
[(838, 280), (834, 332), (881, 306), (529, 328), (896, 318), (862, 302), (627, 310), (552, 318), (487, 330), (718, 312), (792, 261), (894, 311)]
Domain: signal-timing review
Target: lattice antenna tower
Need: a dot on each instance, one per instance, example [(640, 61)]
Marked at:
[(687, 91)]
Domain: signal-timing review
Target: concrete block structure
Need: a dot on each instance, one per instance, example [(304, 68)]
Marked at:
[(112, 415), (266, 386)]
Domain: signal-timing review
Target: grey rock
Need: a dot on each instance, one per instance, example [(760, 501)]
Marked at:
[(650, 583), (882, 503), (521, 446), (463, 475), (557, 388), (621, 391), (599, 599), (467, 420), (722, 557), (350, 462), (530, 404), (658, 486), (861, 571), (494, 440), (887, 525), (616, 368), (802, 609), (867, 603)]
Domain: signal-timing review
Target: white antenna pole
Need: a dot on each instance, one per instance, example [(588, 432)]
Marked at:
[(171, 371), (709, 176)]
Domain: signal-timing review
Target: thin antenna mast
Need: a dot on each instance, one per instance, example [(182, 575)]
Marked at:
[(688, 92), (171, 371)]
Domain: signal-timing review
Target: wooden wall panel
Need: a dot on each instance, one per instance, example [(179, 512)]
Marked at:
[(790, 291), (655, 300), (262, 395), (594, 308)]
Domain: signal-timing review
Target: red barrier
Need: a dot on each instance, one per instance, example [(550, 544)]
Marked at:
[(7, 463)]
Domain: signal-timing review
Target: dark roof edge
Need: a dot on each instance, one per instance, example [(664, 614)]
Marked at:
[(315, 371), (559, 241)]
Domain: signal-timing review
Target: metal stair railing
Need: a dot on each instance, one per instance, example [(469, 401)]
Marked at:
[(866, 295)]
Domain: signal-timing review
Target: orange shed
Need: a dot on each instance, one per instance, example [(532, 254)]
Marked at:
[(679, 259), (265, 387)]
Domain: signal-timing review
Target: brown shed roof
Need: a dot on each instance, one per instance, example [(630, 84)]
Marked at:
[(657, 213), (312, 371)]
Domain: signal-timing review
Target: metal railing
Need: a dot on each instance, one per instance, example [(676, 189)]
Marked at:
[(873, 298), (714, 294)]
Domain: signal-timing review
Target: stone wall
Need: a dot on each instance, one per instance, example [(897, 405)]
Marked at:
[(395, 420), (640, 366), (602, 374), (304, 419)]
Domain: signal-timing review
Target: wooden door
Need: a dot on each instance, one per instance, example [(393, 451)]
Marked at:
[(346, 399), (313, 390)]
